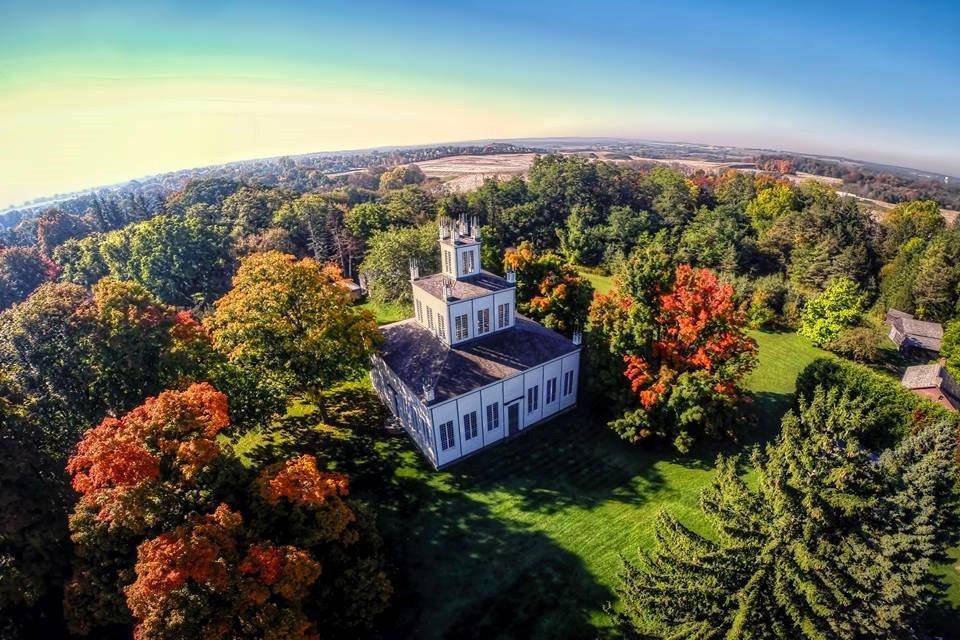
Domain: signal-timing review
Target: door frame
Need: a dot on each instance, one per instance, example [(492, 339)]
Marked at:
[(506, 411)]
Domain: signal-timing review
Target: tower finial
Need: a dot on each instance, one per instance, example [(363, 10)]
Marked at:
[(414, 268)]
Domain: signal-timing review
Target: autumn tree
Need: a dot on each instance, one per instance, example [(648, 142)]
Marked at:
[(292, 317), (832, 540), (54, 227), (22, 270), (208, 579), (138, 475), (680, 340), (299, 555), (687, 379), (548, 290)]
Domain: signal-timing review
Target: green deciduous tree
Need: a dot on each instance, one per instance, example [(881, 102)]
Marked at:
[(838, 307), (917, 219), (294, 318), (387, 264)]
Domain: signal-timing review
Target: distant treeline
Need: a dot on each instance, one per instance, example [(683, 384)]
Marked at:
[(867, 183)]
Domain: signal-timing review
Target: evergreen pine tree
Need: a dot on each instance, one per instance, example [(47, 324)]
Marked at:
[(834, 541)]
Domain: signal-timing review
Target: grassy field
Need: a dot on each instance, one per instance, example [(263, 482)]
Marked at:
[(523, 540), (601, 283), (388, 312)]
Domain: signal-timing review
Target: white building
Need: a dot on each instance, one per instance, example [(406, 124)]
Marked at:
[(467, 371)]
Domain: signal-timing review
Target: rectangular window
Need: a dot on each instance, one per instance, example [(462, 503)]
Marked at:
[(470, 426), (441, 327), (430, 318), (468, 262), (463, 327), (533, 398), (483, 321), (447, 440), (568, 383), (551, 391), (420, 311), (493, 416), (503, 315), (446, 262)]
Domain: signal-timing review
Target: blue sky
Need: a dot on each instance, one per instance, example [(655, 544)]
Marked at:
[(93, 92)]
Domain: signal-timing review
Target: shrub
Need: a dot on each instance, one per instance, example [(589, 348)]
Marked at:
[(896, 409), (860, 344)]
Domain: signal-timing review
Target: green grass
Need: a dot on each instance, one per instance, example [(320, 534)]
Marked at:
[(387, 312), (523, 540), (601, 283)]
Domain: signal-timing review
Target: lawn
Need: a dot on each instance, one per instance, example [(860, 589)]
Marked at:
[(601, 283), (523, 540), (387, 312)]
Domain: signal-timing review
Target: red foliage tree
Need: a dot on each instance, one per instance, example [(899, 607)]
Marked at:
[(699, 329), (170, 438), (231, 588), (301, 486)]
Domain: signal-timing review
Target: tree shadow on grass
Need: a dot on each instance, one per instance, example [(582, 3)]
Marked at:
[(766, 411), (465, 573), (459, 570), (570, 461)]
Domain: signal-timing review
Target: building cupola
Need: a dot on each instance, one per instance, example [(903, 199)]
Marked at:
[(459, 247)]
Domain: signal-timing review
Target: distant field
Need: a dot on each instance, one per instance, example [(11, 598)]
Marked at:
[(466, 173)]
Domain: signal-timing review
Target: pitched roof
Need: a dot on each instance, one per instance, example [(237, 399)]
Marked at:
[(419, 358), (893, 314), (933, 381), (923, 376), (915, 333), (484, 283)]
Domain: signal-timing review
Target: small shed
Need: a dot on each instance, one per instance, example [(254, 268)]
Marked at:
[(934, 382), (912, 335)]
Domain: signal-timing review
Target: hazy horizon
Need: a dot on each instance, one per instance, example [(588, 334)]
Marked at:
[(107, 92)]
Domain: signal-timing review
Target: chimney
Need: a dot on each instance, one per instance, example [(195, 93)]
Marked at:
[(414, 269), (476, 228), (447, 289), (444, 227), (577, 336), (428, 394), (511, 276)]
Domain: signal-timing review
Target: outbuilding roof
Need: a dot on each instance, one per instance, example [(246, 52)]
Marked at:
[(421, 360), (914, 333), (923, 376)]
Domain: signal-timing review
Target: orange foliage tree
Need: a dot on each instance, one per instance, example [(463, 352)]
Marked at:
[(230, 587), (549, 291), (685, 357), (142, 476)]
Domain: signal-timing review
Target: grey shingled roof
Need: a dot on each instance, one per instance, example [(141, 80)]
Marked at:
[(922, 376), (916, 333), (419, 358), (484, 283)]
